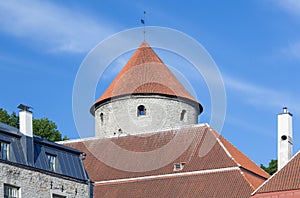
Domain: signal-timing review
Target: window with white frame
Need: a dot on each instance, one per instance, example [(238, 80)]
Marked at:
[(51, 162), (11, 191), (4, 147), (178, 166)]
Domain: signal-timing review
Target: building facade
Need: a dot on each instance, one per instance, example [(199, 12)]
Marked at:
[(35, 167)]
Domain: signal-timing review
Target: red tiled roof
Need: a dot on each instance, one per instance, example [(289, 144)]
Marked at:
[(242, 159), (286, 179), (145, 73), (225, 184), (204, 149)]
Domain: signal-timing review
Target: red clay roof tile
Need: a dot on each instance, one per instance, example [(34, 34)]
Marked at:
[(225, 184), (287, 179), (206, 150), (242, 159), (145, 73)]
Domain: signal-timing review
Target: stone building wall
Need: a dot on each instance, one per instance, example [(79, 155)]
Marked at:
[(35, 184), (121, 116)]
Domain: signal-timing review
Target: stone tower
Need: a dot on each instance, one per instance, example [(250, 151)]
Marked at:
[(145, 96)]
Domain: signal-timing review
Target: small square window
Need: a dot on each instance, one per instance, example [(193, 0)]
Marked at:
[(178, 166), (51, 162), (4, 151), (11, 191)]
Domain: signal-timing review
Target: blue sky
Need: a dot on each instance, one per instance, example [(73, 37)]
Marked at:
[(256, 45)]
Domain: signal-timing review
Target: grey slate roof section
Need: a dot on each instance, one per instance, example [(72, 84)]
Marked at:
[(68, 162), (9, 129)]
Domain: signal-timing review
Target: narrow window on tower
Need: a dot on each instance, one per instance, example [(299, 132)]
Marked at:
[(183, 112), (101, 118), (141, 110)]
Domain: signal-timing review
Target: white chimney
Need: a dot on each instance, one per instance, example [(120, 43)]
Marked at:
[(25, 120), (285, 137)]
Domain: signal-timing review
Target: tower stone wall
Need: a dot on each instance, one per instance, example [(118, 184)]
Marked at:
[(144, 97), (138, 114)]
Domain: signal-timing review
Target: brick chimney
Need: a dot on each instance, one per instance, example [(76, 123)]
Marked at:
[(285, 137)]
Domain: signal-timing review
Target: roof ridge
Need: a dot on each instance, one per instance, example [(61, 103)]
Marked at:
[(76, 140), (243, 175), (234, 159), (261, 172), (169, 175), (226, 150), (138, 134)]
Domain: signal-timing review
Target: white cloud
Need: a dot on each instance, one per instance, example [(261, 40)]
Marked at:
[(257, 95), (291, 6), (55, 27)]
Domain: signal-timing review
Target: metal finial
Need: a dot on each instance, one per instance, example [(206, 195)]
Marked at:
[(143, 22)]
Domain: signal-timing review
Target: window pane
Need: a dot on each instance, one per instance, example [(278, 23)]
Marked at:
[(11, 191), (51, 162), (4, 151), (141, 111)]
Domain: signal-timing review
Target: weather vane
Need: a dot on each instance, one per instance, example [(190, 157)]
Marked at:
[(143, 22)]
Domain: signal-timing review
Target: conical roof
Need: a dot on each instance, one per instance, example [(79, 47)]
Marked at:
[(145, 73)]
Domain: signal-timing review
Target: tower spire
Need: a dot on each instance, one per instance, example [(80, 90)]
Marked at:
[(143, 22)]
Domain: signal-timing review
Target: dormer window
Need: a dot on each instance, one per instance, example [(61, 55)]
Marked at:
[(141, 110), (4, 151), (51, 162), (178, 166)]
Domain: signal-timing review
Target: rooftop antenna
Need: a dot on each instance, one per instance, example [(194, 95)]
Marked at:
[(143, 22)]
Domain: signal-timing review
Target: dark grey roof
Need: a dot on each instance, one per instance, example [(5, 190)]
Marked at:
[(32, 152), (9, 129)]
